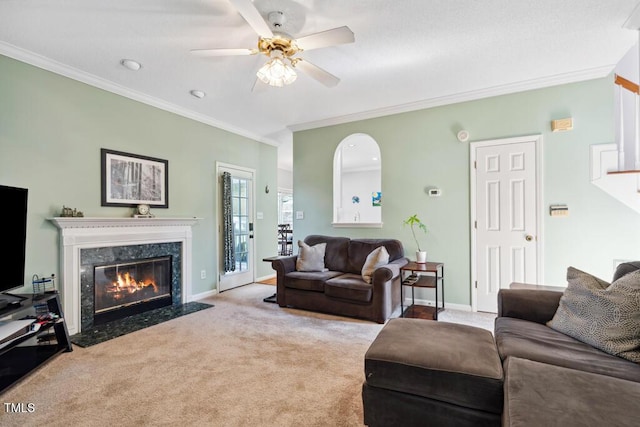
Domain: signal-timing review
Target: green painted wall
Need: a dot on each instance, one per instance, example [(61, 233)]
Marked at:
[(51, 132), (420, 149)]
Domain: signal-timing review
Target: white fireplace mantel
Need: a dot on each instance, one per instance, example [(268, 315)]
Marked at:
[(78, 233), (100, 222)]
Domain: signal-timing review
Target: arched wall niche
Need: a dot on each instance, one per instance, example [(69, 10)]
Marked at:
[(357, 182)]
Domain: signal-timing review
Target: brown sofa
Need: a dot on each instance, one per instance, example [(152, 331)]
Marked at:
[(341, 290)]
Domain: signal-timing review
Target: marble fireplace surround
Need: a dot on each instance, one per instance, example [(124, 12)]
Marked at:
[(83, 233)]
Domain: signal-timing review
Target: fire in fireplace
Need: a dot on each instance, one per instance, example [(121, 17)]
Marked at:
[(125, 288)]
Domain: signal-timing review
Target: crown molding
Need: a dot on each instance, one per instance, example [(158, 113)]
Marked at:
[(560, 79), (59, 68), (633, 21), (56, 67)]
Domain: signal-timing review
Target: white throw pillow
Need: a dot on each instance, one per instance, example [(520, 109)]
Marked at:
[(377, 258), (311, 258)]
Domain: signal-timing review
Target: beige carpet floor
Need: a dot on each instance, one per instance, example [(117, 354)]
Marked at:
[(242, 363)]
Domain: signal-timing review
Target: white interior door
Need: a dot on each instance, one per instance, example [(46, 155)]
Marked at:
[(506, 224), (242, 213)]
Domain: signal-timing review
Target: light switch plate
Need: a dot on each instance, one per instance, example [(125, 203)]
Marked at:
[(299, 214)]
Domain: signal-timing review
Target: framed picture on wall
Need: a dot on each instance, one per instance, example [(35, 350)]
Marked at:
[(376, 198), (130, 179)]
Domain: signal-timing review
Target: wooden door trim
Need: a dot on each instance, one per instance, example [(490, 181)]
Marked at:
[(473, 146)]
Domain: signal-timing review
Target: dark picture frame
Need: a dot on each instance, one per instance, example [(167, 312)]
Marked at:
[(131, 179)]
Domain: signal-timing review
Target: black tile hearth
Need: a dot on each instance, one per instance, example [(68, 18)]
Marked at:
[(101, 333)]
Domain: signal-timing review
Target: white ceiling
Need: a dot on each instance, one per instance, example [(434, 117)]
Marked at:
[(407, 54)]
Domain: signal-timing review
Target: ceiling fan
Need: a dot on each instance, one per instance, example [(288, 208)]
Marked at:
[(282, 49)]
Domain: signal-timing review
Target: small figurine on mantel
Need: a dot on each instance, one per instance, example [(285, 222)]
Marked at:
[(68, 212), (142, 211)]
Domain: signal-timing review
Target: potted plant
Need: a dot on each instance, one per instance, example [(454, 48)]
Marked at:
[(413, 221)]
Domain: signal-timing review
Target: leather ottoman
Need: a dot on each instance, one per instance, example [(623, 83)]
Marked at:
[(421, 372)]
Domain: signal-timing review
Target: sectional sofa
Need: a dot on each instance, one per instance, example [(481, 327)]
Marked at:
[(534, 371)]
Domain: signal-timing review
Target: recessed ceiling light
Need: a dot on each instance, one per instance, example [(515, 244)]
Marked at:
[(198, 93), (131, 64), (375, 159)]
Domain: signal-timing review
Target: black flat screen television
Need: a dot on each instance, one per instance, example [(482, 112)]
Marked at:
[(12, 261)]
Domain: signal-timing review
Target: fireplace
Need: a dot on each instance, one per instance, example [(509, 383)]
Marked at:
[(105, 271), (131, 287), (86, 242)]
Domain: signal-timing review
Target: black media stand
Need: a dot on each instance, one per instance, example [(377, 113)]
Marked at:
[(25, 352), (10, 301)]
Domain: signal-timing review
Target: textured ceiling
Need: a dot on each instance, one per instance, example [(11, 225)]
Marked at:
[(407, 54)]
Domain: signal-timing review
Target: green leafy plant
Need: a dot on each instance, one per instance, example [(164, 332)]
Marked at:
[(413, 221)]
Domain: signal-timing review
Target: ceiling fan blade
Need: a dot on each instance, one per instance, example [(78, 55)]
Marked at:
[(340, 35), (223, 52), (250, 14), (317, 73)]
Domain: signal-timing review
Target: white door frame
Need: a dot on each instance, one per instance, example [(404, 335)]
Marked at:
[(537, 140), (253, 245)]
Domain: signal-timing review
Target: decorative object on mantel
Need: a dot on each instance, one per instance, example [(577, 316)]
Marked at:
[(413, 221), (130, 180), (143, 211), (68, 212)]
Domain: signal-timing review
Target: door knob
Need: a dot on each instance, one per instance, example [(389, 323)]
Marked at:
[(528, 237)]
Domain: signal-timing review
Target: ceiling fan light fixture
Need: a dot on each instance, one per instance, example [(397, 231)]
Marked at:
[(277, 73)]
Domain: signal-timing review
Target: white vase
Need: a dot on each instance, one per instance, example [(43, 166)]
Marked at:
[(421, 257)]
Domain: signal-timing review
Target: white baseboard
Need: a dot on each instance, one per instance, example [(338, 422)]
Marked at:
[(202, 295)]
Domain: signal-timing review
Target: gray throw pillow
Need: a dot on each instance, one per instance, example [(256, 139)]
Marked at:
[(606, 316), (377, 258), (311, 258)]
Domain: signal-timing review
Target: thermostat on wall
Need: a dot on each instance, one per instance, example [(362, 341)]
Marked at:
[(435, 192)]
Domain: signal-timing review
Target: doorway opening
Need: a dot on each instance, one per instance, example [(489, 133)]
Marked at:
[(285, 222), (236, 212)]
